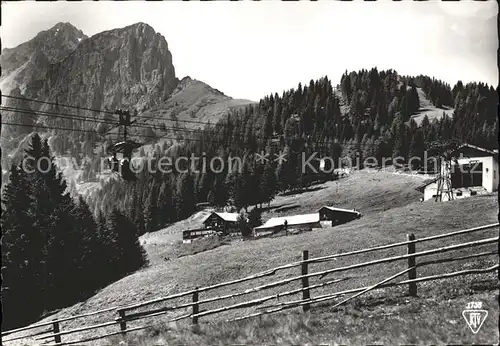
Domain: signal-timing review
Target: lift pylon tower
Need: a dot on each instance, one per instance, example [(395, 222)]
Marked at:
[(444, 187), (444, 149)]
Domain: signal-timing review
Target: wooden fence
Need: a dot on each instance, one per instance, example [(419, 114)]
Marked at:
[(54, 333)]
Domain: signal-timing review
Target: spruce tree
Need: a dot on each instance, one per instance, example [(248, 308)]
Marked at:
[(128, 250), (151, 210), (254, 218), (268, 184), (417, 147), (218, 195), (184, 200), (243, 226), (22, 252)]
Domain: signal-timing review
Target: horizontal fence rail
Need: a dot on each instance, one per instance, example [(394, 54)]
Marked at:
[(38, 325), (312, 260), (393, 245), (125, 313), (323, 273), (318, 299), (160, 311)]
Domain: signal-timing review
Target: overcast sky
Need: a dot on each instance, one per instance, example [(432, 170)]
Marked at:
[(250, 49)]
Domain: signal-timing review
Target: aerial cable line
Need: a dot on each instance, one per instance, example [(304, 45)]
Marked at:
[(35, 126), (67, 116), (99, 110), (144, 125), (53, 115), (126, 176), (58, 104), (140, 125), (83, 118)]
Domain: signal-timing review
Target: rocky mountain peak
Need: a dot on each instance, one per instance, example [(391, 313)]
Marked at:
[(64, 28), (31, 59), (142, 27), (125, 67), (61, 35)]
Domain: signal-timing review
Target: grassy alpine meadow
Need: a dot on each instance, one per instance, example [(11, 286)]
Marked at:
[(369, 191), (385, 316)]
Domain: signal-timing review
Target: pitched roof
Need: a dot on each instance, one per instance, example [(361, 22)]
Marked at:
[(467, 145), (291, 220), (230, 217), (341, 210), (428, 182)]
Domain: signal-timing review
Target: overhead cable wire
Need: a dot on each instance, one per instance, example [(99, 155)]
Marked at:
[(83, 118), (95, 132), (100, 110), (137, 135), (140, 125), (144, 125), (58, 104)]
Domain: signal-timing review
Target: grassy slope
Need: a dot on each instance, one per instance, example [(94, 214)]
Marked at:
[(388, 320), (426, 108), (387, 316), (390, 212), (369, 191), (363, 190), (167, 242), (195, 101)]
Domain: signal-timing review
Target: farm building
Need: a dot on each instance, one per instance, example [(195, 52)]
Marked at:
[(276, 224), (473, 172), (337, 216), (222, 222)]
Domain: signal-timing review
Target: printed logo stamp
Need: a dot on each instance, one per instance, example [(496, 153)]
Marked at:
[(474, 316)]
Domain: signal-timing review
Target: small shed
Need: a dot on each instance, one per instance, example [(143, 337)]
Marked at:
[(428, 188), (338, 216), (222, 222)]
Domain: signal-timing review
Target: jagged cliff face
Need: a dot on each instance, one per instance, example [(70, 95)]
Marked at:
[(29, 61), (129, 67)]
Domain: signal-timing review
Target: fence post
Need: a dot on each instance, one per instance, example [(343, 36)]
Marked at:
[(412, 274), (56, 330), (123, 324), (196, 307), (305, 280)]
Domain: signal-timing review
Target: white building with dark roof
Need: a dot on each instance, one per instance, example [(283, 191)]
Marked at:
[(473, 171)]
